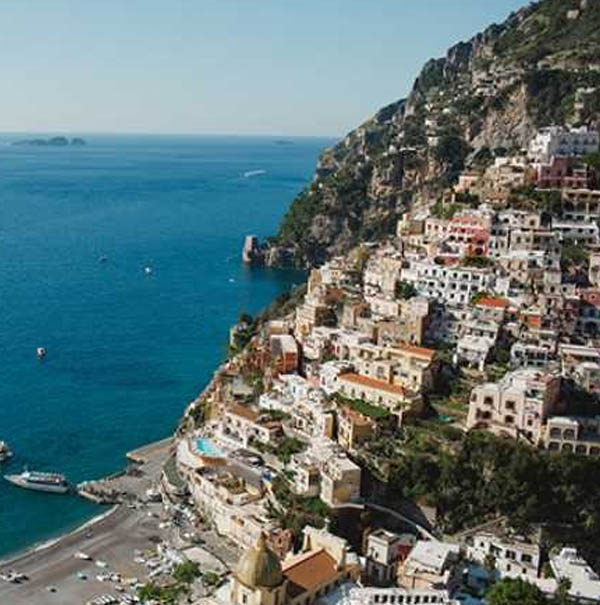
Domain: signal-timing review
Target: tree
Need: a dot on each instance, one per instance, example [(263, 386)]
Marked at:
[(562, 591), (511, 592), (186, 572), (405, 290)]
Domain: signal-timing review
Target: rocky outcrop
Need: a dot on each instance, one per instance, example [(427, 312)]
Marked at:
[(487, 94)]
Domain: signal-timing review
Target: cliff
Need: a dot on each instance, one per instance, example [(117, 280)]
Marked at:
[(539, 67)]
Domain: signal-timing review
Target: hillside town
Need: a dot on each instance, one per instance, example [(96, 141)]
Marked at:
[(481, 315)]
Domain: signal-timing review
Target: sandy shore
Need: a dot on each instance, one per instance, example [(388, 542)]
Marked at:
[(111, 537)]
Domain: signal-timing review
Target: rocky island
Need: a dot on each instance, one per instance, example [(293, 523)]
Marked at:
[(51, 142)]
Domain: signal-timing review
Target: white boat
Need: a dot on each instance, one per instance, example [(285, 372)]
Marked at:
[(147, 270), (5, 452), (41, 482), (41, 352)]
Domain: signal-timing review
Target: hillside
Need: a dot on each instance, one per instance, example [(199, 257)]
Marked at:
[(487, 95)]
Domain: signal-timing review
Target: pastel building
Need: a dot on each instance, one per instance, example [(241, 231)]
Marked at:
[(516, 405)]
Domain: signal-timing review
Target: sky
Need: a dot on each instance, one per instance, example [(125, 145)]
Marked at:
[(294, 67)]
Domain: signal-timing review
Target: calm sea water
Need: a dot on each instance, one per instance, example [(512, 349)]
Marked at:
[(126, 350)]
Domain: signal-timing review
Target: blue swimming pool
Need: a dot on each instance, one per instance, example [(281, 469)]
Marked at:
[(206, 447)]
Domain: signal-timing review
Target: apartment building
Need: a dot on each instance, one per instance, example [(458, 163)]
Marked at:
[(517, 405)]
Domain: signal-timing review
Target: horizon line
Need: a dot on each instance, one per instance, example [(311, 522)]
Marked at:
[(71, 133)]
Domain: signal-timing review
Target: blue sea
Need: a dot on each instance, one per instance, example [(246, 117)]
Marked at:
[(126, 349)]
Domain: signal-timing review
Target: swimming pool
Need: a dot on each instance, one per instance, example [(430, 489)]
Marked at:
[(205, 447)]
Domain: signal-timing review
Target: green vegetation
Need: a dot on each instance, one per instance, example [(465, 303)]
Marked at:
[(551, 94), (451, 151), (573, 256), (186, 572), (295, 512), (166, 595), (444, 211), (484, 477), (510, 592), (283, 450), (405, 290), (372, 411), (210, 578), (478, 261)]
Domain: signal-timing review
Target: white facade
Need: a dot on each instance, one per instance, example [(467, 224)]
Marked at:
[(512, 559), (555, 140), (453, 285)]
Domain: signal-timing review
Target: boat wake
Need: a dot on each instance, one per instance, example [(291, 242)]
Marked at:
[(250, 173)]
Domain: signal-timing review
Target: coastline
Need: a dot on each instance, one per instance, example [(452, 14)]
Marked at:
[(137, 456), (40, 547)]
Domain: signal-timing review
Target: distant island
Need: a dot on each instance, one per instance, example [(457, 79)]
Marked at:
[(51, 142)]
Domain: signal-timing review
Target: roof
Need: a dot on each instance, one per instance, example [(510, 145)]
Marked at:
[(372, 383), (240, 410), (418, 351), (489, 301), (432, 554), (356, 417), (283, 344), (259, 566), (307, 573)]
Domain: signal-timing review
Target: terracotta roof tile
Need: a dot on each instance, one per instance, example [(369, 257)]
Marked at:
[(310, 572), (499, 303), (372, 382), (240, 410), (418, 351)]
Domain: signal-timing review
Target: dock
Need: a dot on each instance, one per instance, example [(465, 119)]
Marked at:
[(132, 483)]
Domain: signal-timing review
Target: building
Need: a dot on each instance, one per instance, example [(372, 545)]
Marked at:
[(512, 558), (430, 565), (305, 475), (383, 554), (582, 364), (377, 392), (354, 428), (558, 141), (323, 564), (242, 426), (575, 435), (517, 405), (585, 583), (284, 352), (450, 285), (397, 596), (340, 480)]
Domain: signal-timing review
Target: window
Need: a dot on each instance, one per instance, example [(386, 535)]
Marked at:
[(526, 558), (510, 405)]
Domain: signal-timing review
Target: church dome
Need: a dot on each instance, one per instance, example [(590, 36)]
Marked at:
[(260, 567)]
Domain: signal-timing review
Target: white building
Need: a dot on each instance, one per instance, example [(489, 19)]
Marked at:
[(555, 140), (512, 558), (450, 285), (585, 583)]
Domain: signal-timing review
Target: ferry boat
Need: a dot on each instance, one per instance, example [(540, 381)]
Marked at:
[(42, 482), (5, 452)]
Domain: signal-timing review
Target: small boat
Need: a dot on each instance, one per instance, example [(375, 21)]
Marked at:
[(103, 259), (5, 452), (147, 270), (41, 482), (41, 352)]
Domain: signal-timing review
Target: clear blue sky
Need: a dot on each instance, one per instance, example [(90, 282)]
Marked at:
[(219, 66)]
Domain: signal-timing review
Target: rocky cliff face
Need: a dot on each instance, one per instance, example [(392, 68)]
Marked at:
[(488, 95)]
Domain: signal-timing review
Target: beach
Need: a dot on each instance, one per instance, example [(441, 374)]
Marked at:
[(112, 538)]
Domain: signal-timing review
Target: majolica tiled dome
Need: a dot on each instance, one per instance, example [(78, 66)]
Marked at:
[(260, 567)]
